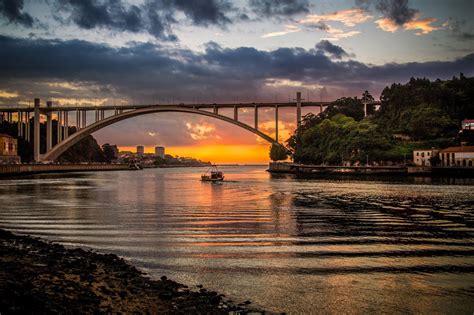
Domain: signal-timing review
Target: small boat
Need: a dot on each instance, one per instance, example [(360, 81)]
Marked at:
[(212, 175)]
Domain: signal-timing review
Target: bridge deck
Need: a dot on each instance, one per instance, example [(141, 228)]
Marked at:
[(14, 108)]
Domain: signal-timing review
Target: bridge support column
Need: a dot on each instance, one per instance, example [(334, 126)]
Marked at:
[(236, 113), (78, 120), (84, 118), (60, 128), (102, 114), (27, 126), (216, 110), (298, 109), (96, 115), (256, 117), (276, 123), (49, 128), (19, 123), (36, 131), (66, 124)]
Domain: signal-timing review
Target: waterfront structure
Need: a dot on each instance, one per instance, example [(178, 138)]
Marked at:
[(467, 124), (423, 157), (107, 115), (140, 150), (8, 149), (160, 151), (457, 156)]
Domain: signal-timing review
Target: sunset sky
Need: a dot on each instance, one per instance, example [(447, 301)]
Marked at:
[(142, 51)]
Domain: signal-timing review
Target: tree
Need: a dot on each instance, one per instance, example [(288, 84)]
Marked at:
[(110, 152), (278, 152)]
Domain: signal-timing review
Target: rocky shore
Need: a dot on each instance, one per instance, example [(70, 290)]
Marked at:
[(42, 277)]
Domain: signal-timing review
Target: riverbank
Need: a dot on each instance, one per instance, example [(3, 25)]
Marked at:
[(28, 169), (303, 169), (42, 277)]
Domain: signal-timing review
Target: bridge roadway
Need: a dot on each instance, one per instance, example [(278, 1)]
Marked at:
[(15, 109)]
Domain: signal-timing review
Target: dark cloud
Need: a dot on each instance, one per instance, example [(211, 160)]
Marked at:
[(398, 11), (458, 29), (279, 8), (154, 16), (204, 12), (89, 14), (333, 50), (148, 70), (12, 10)]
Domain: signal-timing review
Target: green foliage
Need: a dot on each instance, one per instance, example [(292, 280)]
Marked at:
[(348, 106), (428, 112), (169, 160), (425, 122), (340, 139), (278, 152), (110, 152)]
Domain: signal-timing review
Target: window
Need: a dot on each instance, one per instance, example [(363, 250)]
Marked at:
[(428, 154), (417, 153), (470, 163)]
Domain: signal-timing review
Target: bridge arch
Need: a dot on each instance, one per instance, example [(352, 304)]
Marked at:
[(63, 146)]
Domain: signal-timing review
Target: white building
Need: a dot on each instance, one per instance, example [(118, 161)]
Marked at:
[(160, 151), (457, 156), (423, 157), (140, 150), (467, 124)]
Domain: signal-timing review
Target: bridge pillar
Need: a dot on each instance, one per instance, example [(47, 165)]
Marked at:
[(27, 126), (216, 110), (236, 113), (19, 123), (36, 131), (298, 109), (60, 126), (66, 124), (49, 128), (102, 114), (84, 118), (256, 117), (276, 123)]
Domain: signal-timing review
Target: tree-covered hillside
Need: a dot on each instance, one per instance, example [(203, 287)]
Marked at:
[(418, 114)]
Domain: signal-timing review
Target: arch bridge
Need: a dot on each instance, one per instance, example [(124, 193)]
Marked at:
[(107, 115)]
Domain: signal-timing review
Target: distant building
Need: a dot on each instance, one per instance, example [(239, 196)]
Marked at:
[(140, 150), (423, 157), (467, 124), (8, 149), (160, 151), (457, 156)]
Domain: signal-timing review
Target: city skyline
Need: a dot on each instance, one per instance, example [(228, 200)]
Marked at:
[(108, 52)]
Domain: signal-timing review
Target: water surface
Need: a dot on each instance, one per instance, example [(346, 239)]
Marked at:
[(334, 245)]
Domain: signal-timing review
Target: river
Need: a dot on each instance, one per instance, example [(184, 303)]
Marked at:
[(301, 246)]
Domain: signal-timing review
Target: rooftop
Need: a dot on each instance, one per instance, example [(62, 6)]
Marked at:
[(2, 135), (458, 149)]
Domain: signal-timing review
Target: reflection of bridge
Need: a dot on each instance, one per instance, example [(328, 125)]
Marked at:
[(107, 115)]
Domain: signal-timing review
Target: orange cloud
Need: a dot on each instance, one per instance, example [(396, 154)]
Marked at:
[(424, 26), (387, 25), (200, 131), (349, 17), (288, 30), (6, 94)]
